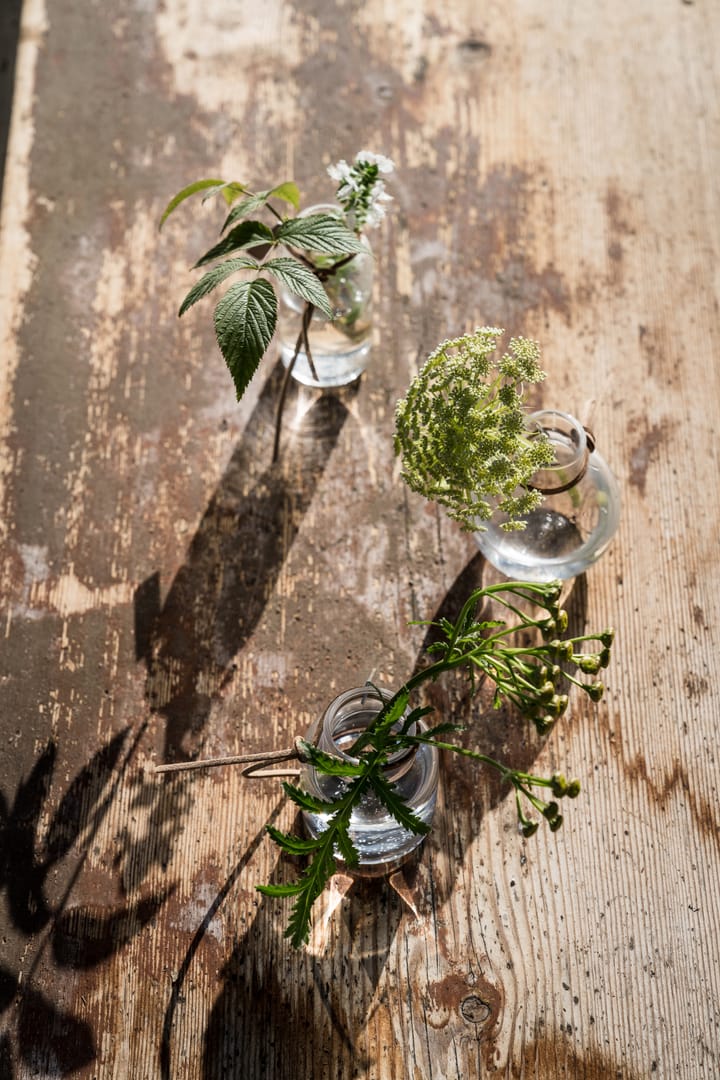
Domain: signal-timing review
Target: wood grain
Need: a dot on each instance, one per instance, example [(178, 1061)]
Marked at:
[(167, 593)]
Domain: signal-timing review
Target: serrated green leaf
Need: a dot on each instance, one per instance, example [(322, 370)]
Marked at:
[(247, 206), (393, 802), (329, 765), (191, 189), (245, 320), (213, 278), (322, 233), (388, 716), (306, 801), (294, 845), (345, 846), (300, 281), (246, 235), (313, 882), (412, 718)]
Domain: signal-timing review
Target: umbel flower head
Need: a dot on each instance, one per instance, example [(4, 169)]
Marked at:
[(361, 192), (462, 431)]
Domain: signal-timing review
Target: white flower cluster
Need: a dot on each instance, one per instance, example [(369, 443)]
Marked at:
[(361, 192)]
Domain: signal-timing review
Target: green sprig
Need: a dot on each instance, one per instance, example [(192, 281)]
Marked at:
[(529, 677)]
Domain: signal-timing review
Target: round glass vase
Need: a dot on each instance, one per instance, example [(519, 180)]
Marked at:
[(339, 347), (577, 519), (381, 842)]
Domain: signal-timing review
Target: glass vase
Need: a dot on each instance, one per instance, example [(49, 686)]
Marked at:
[(339, 347), (577, 519), (381, 841)]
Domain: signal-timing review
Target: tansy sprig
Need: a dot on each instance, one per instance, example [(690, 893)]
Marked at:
[(462, 434), (530, 677)]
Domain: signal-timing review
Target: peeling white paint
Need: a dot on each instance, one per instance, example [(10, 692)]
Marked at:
[(17, 261)]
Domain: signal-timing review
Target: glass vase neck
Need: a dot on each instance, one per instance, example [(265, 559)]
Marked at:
[(572, 445)]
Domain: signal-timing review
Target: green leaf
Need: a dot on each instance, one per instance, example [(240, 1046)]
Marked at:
[(412, 718), (229, 192), (322, 233), (294, 845), (288, 192), (245, 320), (345, 846), (199, 185), (329, 765), (291, 888), (306, 801), (388, 716), (313, 882), (395, 804), (300, 281), (246, 235), (247, 206), (208, 282)]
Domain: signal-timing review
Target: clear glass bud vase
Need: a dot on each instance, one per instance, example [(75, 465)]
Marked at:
[(578, 517), (381, 841), (340, 347)]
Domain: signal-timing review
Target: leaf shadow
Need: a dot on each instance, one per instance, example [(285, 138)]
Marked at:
[(190, 642), (503, 734)]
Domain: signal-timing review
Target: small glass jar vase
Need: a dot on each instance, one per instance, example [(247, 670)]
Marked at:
[(381, 841), (578, 517), (339, 348)]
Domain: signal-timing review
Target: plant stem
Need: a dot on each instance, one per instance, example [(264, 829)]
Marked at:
[(302, 337)]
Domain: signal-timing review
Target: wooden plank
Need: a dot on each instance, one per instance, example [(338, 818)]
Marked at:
[(165, 590)]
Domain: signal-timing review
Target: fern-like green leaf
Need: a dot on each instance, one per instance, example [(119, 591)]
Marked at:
[(246, 235), (293, 845), (345, 846), (330, 765), (393, 802), (312, 884), (245, 320), (301, 281), (214, 277), (306, 801)]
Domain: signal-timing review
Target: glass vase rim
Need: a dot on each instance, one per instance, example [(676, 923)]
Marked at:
[(577, 433), (377, 694)]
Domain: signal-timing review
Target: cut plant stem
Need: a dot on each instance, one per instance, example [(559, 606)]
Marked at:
[(303, 336)]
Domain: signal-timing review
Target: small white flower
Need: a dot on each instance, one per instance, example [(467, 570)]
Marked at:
[(367, 157), (339, 172)]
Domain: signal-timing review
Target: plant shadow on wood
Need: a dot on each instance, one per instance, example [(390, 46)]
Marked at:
[(219, 594), (191, 642), (49, 1038), (325, 1000)]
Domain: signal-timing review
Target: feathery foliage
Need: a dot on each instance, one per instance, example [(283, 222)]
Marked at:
[(530, 677), (462, 433)]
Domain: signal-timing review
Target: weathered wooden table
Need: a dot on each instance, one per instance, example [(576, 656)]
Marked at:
[(165, 591)]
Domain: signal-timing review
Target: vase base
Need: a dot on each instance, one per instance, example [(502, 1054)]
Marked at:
[(330, 369)]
